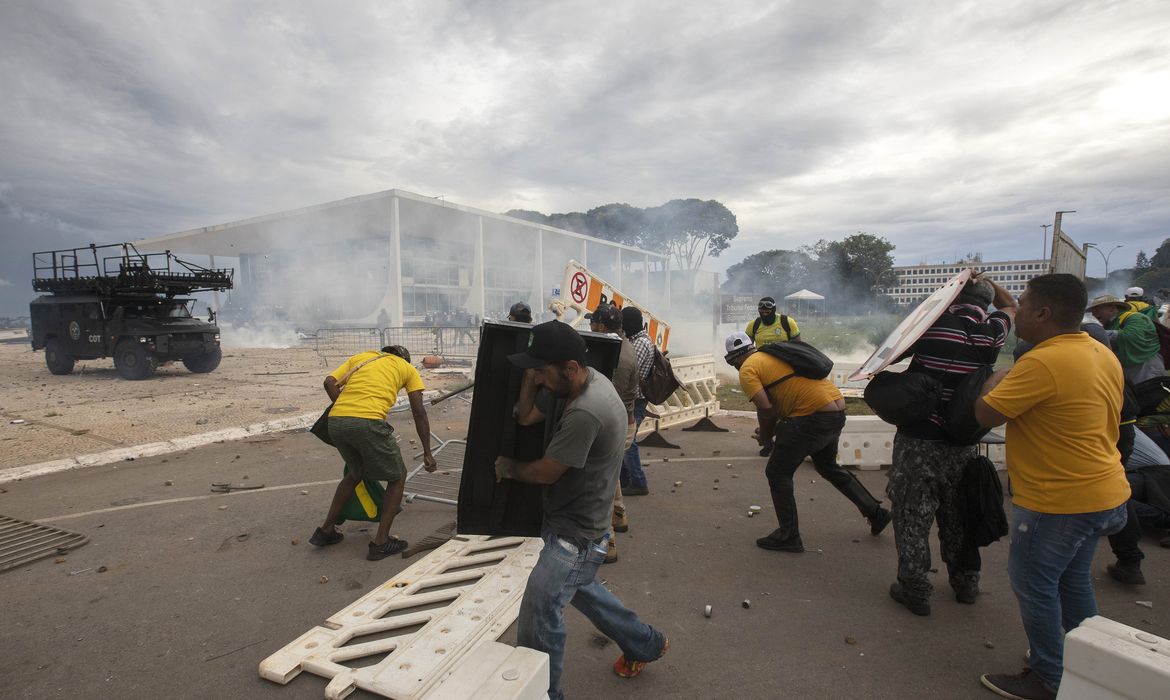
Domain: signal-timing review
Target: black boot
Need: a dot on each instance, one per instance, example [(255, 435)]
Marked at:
[(1127, 571)]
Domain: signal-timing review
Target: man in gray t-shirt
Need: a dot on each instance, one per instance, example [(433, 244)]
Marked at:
[(579, 471)]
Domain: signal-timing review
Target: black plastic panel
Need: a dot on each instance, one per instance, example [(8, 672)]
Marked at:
[(509, 507)]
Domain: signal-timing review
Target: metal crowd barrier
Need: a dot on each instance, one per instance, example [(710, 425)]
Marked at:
[(453, 343)]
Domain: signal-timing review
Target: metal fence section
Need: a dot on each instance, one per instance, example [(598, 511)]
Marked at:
[(337, 344), (450, 343)]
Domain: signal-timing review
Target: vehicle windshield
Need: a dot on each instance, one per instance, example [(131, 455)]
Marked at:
[(165, 309)]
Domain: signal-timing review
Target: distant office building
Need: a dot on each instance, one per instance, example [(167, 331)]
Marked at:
[(916, 282)]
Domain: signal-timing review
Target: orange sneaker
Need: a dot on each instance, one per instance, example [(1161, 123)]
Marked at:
[(629, 669)]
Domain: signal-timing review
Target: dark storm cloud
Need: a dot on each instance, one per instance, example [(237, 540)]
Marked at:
[(940, 127)]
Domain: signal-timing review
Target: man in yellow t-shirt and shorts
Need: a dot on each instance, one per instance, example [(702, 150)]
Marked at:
[(806, 417), (364, 389), (1061, 403)]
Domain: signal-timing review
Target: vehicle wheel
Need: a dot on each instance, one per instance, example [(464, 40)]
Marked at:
[(57, 361), (132, 360), (202, 364)]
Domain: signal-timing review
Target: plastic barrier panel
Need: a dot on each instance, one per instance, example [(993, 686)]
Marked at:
[(464, 594), (694, 400), (583, 291), (1106, 660)]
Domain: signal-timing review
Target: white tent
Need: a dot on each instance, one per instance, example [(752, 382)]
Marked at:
[(805, 301)]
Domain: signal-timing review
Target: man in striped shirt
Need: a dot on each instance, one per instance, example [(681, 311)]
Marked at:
[(633, 479), (927, 465)]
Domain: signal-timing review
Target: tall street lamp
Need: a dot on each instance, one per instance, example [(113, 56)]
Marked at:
[(1104, 256)]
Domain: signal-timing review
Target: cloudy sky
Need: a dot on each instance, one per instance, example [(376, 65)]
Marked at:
[(946, 127)]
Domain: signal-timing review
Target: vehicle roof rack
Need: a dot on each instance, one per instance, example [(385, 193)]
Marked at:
[(119, 268)]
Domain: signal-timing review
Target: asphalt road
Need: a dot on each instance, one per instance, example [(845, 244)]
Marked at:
[(197, 592)]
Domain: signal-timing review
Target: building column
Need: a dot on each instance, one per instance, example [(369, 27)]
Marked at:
[(394, 267)]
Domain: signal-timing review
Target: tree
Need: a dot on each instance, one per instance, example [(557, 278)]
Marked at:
[(1142, 262), (1162, 255), (689, 229), (769, 273), (860, 261)]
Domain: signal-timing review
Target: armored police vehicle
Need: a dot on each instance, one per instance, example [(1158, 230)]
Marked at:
[(112, 301)]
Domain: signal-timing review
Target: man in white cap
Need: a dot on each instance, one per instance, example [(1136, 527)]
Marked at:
[(1136, 298), (806, 417), (1133, 336)]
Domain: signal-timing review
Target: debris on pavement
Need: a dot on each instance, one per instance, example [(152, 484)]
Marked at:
[(324, 579), (707, 611), (746, 603), (1145, 603)]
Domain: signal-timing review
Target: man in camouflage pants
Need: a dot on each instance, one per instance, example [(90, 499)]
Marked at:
[(927, 465)]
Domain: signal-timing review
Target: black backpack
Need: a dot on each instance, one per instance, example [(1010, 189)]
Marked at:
[(783, 324), (806, 361), (981, 503), (903, 398), (959, 423), (661, 383)]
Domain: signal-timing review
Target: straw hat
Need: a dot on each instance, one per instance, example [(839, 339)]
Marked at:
[(1107, 300)]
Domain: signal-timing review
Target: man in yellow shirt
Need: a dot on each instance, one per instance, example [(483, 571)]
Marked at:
[(357, 426), (806, 416), (771, 327), (1061, 403)]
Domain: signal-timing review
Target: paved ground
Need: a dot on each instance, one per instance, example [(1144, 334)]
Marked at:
[(197, 592), (93, 410)]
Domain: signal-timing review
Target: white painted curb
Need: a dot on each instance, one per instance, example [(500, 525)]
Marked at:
[(152, 449)]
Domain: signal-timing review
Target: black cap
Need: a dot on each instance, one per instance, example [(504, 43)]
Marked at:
[(607, 315), (631, 321), (552, 341), (521, 311)]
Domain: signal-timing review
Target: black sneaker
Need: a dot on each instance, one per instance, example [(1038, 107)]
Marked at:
[(635, 490), (777, 543), (878, 521), (1130, 574), (391, 547), (321, 538), (1021, 686), (914, 605)]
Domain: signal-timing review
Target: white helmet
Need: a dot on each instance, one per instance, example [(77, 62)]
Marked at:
[(737, 343), (1134, 293)]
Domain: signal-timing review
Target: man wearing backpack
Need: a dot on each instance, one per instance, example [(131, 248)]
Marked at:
[(928, 465), (1134, 338), (1137, 300), (771, 327), (805, 416), (633, 479)]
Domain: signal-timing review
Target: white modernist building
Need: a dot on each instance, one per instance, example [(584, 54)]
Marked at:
[(916, 282), (396, 258)]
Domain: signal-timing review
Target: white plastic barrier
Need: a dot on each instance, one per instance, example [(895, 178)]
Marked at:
[(1106, 660), (867, 442), (464, 594), (694, 400)]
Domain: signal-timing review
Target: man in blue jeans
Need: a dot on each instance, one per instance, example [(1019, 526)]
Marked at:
[(579, 472), (633, 478), (1061, 403)]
